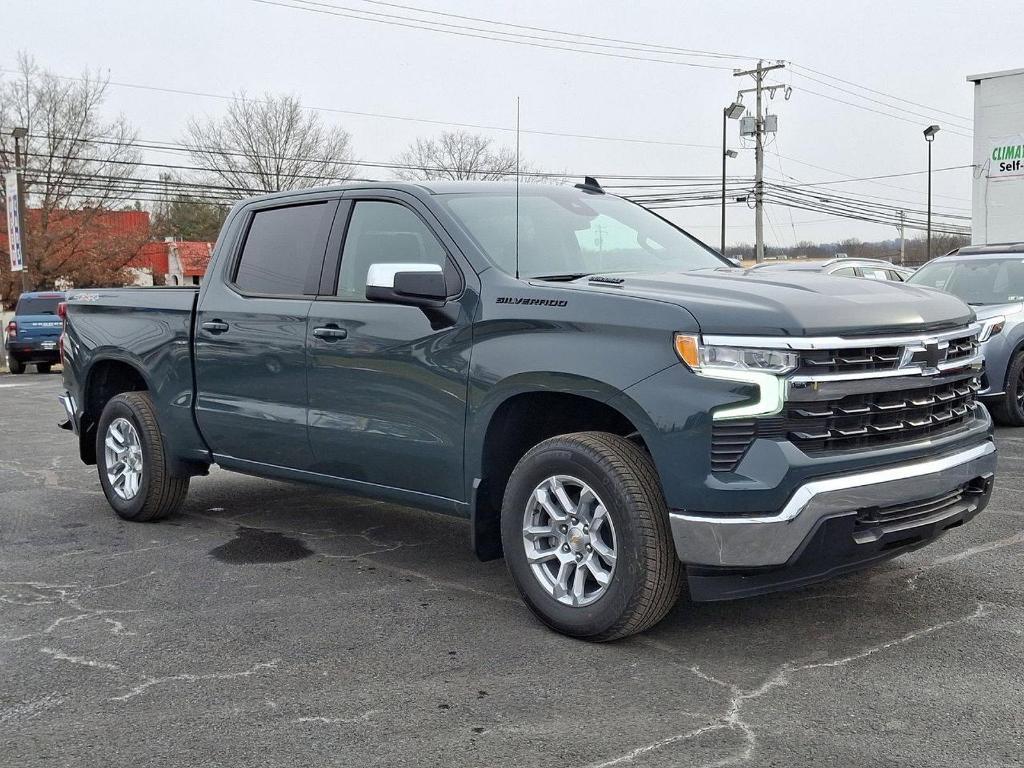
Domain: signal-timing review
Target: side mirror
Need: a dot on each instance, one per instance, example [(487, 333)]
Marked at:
[(736, 262), (413, 285)]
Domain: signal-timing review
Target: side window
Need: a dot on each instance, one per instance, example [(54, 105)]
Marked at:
[(283, 250), (388, 233), (845, 272), (873, 273)]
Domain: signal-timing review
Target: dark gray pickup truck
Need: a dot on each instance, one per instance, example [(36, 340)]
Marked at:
[(611, 404)]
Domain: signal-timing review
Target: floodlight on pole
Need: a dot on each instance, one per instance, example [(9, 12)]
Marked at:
[(732, 112), (929, 136)]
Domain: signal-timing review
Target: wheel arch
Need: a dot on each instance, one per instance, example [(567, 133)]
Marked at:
[(524, 413)]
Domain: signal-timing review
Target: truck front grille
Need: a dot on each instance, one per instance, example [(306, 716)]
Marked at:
[(877, 419), (814, 362), (855, 360), (850, 394)]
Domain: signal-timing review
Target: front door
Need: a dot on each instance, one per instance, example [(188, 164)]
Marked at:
[(387, 383), (251, 337)]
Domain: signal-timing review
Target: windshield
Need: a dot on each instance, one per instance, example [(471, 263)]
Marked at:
[(565, 232), (38, 305), (976, 281)]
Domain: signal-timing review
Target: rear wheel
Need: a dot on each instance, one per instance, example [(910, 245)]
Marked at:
[(15, 366), (132, 460), (1009, 409), (586, 537), (43, 367)]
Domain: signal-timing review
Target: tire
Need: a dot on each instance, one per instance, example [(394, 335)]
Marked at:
[(156, 493), (43, 367), (646, 577), (1009, 409), (15, 366)]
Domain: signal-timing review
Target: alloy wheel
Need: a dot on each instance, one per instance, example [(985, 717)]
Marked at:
[(122, 450), (569, 539)]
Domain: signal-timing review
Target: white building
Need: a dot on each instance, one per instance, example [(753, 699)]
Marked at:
[(998, 195)]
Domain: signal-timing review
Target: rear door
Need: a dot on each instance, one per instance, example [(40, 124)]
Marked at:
[(251, 335), (388, 383)]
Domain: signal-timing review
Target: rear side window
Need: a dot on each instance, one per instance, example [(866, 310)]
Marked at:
[(38, 305), (283, 251)]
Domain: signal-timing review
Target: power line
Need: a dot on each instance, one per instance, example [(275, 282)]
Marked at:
[(880, 93), (350, 13), (384, 116), (804, 89), (646, 46), (874, 101)]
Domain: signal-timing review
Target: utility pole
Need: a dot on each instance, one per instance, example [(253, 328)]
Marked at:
[(759, 74)]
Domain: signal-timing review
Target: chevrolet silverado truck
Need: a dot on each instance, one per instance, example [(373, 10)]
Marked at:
[(614, 407)]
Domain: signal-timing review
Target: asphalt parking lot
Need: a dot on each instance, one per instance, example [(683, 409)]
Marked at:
[(272, 624)]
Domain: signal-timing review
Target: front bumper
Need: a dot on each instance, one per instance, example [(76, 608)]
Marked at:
[(776, 539)]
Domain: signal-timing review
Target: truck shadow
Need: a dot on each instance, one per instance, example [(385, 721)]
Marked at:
[(266, 521)]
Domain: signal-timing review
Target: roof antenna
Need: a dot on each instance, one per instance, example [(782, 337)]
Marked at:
[(517, 187)]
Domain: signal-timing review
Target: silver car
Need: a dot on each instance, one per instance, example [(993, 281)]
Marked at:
[(872, 269), (991, 279)]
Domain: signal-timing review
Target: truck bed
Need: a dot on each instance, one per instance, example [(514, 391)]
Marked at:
[(150, 329)]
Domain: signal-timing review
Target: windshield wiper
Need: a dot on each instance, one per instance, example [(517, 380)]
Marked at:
[(562, 278)]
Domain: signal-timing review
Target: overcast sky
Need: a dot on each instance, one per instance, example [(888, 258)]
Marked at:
[(919, 51)]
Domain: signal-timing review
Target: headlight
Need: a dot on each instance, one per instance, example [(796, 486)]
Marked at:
[(991, 327), (701, 357), (750, 365)]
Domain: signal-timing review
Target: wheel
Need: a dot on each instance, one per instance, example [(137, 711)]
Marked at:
[(132, 460), (1009, 409), (586, 537), (15, 366), (43, 367)]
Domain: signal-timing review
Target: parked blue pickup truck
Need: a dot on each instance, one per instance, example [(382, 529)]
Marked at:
[(614, 407), (33, 335)]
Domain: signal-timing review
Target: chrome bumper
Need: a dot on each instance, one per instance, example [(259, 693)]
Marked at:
[(773, 539)]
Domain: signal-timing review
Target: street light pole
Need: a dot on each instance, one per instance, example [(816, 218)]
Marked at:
[(732, 112), (929, 136)]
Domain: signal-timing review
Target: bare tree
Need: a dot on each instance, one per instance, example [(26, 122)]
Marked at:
[(457, 155), (78, 168), (268, 145)]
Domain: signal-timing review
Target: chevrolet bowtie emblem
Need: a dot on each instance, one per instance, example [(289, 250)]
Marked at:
[(934, 354)]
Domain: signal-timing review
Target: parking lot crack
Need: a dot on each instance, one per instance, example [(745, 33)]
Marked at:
[(732, 718)]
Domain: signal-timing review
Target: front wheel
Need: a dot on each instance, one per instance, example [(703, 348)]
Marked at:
[(1009, 409), (133, 462), (586, 537), (43, 367)]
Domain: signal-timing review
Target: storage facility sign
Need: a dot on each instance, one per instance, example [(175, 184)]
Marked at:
[(13, 221), (1006, 158)]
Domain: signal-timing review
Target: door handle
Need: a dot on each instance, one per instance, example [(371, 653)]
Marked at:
[(330, 333), (215, 326)]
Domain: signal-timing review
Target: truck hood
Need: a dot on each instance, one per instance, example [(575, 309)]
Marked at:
[(731, 301)]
